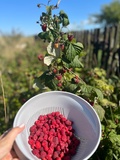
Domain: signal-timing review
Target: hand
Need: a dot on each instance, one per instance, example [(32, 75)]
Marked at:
[(6, 143)]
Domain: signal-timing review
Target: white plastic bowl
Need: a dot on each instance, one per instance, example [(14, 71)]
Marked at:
[(86, 121)]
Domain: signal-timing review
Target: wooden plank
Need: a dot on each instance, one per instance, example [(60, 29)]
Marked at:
[(107, 41)]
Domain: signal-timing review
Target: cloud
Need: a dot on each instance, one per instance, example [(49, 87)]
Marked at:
[(83, 25)]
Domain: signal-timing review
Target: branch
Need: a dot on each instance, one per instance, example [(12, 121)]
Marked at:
[(49, 1), (58, 3)]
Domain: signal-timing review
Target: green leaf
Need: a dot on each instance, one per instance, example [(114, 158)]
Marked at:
[(68, 76), (114, 138), (63, 14), (46, 79), (44, 35), (37, 83), (98, 92), (40, 81), (86, 88), (106, 103), (50, 36), (51, 84), (100, 111), (111, 124), (65, 22), (43, 14), (70, 87), (78, 45), (90, 90), (73, 50), (70, 53), (76, 63)]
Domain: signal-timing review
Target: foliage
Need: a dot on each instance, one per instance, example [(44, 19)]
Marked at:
[(63, 57), (65, 71), (110, 14), (16, 82)]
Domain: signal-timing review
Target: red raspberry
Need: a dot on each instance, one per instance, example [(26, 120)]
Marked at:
[(55, 141), (58, 148), (43, 154), (61, 154), (58, 158), (59, 76), (35, 137), (38, 132), (37, 145), (33, 128), (35, 152), (67, 158), (55, 155), (46, 148), (52, 137), (31, 141)]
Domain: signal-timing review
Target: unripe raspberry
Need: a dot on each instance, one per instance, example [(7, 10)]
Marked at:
[(59, 76), (59, 84)]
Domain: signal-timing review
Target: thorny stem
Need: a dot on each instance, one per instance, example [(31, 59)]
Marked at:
[(3, 93)]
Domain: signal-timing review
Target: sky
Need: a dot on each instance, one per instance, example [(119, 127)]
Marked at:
[(21, 15)]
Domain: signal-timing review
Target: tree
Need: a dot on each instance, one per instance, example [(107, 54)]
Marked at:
[(110, 14)]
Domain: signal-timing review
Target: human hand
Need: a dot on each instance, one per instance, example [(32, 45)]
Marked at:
[(6, 143)]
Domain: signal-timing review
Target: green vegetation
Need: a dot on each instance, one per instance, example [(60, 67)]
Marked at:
[(17, 72)]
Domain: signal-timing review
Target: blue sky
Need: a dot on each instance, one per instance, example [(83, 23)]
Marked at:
[(21, 15)]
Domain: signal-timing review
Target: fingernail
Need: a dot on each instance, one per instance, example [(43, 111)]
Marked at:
[(22, 125)]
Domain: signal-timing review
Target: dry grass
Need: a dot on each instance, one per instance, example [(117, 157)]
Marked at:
[(9, 45)]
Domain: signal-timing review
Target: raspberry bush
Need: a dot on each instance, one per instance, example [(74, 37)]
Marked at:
[(66, 71), (63, 58)]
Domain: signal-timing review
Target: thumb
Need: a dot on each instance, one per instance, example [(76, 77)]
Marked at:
[(12, 134), (7, 141)]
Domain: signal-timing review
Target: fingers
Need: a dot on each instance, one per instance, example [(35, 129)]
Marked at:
[(7, 141), (14, 132)]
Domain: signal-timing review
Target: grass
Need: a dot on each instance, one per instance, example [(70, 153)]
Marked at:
[(9, 45)]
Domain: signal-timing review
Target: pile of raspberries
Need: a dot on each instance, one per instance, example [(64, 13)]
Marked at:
[(52, 137)]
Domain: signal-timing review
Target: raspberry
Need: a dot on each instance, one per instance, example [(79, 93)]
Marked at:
[(35, 152), (58, 148), (67, 158), (68, 123), (59, 76), (55, 155), (35, 137), (33, 129), (46, 148), (55, 141), (31, 141), (38, 132), (37, 145), (58, 158), (52, 137), (43, 154)]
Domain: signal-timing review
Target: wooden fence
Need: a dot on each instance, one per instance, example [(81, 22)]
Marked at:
[(102, 46)]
